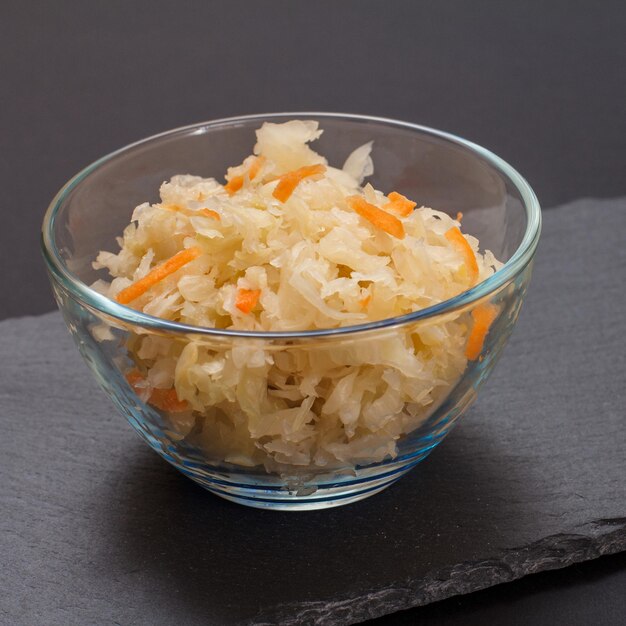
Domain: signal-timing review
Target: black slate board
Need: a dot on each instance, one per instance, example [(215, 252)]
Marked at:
[(95, 528)]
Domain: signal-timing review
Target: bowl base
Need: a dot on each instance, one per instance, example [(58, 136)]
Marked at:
[(299, 503), (323, 496)]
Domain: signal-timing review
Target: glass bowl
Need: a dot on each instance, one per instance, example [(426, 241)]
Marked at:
[(433, 168)]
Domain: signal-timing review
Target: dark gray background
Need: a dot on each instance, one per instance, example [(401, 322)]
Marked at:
[(541, 83)]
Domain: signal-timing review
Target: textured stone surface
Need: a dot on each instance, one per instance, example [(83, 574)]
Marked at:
[(95, 528)]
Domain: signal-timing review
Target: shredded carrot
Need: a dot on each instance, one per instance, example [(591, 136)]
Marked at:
[(247, 299), (381, 219), (400, 204), (133, 377), (234, 185), (167, 400), (210, 213), (459, 216), (256, 166), (189, 213), (365, 301), (455, 237), (483, 316), (236, 182), (157, 274), (200, 197), (163, 399), (289, 181), (172, 207)]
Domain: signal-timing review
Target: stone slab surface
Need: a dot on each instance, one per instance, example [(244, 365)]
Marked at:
[(96, 529)]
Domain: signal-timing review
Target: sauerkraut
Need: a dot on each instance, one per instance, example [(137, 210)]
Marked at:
[(290, 243)]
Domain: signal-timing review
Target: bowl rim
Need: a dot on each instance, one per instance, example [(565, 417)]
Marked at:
[(94, 300)]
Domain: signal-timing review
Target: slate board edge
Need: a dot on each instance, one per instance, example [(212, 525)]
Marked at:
[(550, 553)]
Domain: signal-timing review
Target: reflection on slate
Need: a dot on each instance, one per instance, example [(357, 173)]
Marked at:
[(98, 529)]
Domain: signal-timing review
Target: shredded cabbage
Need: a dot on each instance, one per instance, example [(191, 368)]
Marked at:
[(312, 262)]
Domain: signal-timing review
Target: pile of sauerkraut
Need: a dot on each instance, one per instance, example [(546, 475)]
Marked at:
[(290, 243)]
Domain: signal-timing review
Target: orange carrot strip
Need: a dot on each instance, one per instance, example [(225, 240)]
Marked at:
[(234, 185), (256, 166), (455, 237), (483, 316), (133, 377), (157, 274), (210, 213), (365, 301), (381, 219), (205, 212), (236, 182), (400, 204), (172, 207), (247, 299), (459, 216), (167, 400), (163, 399), (289, 181)]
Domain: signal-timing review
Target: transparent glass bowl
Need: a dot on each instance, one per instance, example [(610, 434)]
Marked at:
[(431, 167)]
